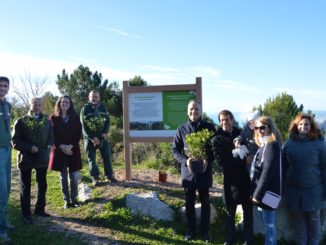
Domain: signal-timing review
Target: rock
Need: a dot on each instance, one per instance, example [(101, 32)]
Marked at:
[(148, 204), (212, 219), (84, 192)]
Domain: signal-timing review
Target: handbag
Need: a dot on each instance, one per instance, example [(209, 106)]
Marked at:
[(270, 198)]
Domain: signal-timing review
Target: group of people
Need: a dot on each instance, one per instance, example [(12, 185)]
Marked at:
[(254, 160), (44, 142), (258, 170)]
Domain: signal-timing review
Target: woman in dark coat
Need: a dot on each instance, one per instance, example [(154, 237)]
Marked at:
[(266, 172), (65, 156), (304, 157)]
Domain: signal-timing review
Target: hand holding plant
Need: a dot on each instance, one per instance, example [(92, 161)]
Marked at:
[(197, 143)]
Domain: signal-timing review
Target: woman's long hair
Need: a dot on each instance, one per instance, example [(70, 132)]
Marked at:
[(57, 108), (274, 132), (314, 133)]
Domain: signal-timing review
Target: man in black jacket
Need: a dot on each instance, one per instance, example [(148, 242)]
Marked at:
[(192, 182), (33, 139), (236, 178)]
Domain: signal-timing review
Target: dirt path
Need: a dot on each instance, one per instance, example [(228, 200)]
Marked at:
[(72, 226)]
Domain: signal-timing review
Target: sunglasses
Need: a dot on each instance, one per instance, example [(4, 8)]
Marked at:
[(262, 128)]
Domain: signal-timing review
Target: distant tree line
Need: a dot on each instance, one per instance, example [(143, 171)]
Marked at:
[(77, 85)]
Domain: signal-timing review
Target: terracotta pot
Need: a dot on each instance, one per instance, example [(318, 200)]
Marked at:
[(162, 177)]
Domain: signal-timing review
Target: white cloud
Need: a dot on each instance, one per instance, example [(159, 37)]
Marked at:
[(119, 32), (218, 93)]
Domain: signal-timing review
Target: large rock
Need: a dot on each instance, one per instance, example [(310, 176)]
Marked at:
[(197, 209), (148, 204)]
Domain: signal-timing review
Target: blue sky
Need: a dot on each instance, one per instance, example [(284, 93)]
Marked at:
[(245, 51)]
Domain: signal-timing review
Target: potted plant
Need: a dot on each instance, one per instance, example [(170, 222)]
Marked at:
[(197, 143), (162, 174)]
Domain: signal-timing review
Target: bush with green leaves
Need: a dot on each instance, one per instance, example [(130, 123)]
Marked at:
[(197, 143)]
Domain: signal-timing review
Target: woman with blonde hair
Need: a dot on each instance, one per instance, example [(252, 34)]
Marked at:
[(266, 172), (304, 157)]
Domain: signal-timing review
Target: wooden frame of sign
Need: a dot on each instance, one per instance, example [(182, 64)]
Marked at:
[(149, 136)]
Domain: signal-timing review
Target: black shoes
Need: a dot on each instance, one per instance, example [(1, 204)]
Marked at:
[(207, 237), (189, 235), (66, 205), (71, 205), (111, 179), (41, 213), (28, 220), (75, 204)]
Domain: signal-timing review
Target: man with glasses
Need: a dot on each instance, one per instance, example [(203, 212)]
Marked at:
[(236, 178), (5, 159)]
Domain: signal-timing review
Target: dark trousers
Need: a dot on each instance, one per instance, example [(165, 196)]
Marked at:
[(105, 152), (307, 227), (247, 221), (25, 190), (190, 208)]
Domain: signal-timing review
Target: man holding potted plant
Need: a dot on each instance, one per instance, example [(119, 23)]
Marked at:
[(95, 122), (193, 181), (33, 139)]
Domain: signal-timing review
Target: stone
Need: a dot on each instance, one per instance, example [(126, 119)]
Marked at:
[(212, 218), (149, 204), (84, 192)]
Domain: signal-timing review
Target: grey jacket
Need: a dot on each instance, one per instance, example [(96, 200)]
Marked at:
[(305, 173)]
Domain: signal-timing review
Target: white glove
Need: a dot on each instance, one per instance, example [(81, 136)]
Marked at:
[(243, 151)]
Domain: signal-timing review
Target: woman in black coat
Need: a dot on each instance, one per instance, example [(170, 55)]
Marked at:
[(65, 156), (266, 172)]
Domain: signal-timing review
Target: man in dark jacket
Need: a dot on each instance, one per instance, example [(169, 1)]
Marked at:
[(236, 178), (95, 121), (192, 182), (33, 139)]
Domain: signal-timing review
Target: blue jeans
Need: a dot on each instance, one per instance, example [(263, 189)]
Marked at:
[(307, 227), (73, 179), (268, 218), (5, 185)]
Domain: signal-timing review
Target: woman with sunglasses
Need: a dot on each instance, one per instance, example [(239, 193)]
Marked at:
[(266, 172), (304, 158)]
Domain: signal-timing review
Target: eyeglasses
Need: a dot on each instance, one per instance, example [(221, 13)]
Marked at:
[(262, 128)]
